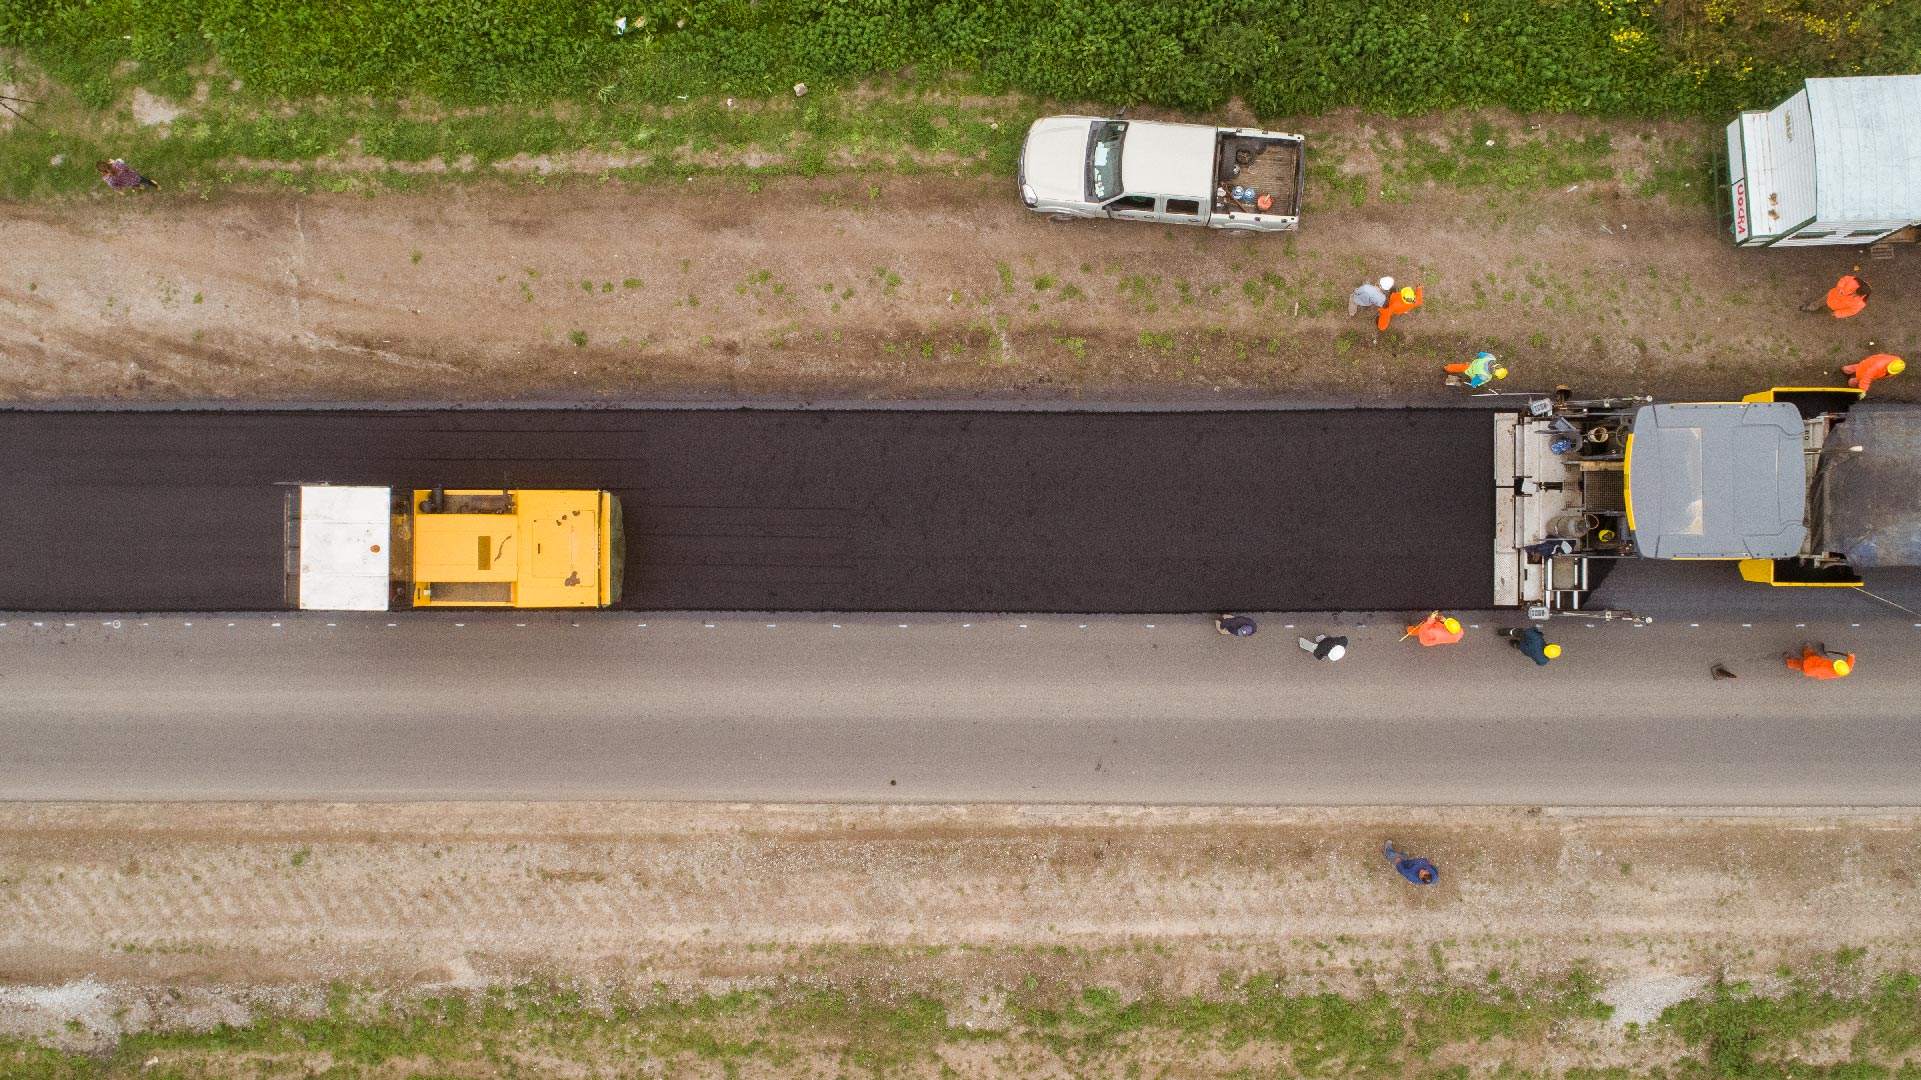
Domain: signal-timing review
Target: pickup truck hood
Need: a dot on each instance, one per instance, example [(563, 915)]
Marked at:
[(1054, 159)]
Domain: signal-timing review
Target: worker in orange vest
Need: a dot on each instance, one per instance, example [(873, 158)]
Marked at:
[(1848, 296), (1878, 366), (1399, 304), (1818, 665), (1435, 630)]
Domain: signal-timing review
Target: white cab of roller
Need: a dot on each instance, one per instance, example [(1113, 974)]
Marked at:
[(345, 541)]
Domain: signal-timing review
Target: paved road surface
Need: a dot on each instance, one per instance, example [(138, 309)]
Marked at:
[(1007, 708), (796, 510)]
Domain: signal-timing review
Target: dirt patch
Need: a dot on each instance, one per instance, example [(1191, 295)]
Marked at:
[(708, 940), (288, 893), (893, 286)]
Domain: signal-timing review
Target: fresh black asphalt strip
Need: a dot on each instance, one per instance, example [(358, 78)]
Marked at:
[(795, 510)]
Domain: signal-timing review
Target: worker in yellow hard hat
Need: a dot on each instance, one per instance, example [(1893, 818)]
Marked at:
[(1822, 664), (1533, 644), (1878, 366), (1399, 304), (1480, 371), (1436, 629)]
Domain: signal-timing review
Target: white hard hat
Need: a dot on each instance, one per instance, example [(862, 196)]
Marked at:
[(1337, 652), (1387, 284)]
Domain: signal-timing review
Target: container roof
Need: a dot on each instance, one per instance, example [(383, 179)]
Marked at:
[(1718, 481), (345, 533), (1867, 147), (1168, 159)]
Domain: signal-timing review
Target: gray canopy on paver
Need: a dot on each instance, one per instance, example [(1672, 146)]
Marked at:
[(1871, 501), (1718, 481)]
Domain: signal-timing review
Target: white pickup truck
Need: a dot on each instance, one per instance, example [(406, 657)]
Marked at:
[(1239, 179)]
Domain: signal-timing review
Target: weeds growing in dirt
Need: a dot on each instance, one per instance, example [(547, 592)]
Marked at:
[(1730, 1031)]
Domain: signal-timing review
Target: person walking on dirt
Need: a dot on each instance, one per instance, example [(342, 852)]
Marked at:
[(1878, 366), (1822, 664), (1235, 625), (1419, 871), (1325, 648), (1399, 304), (1436, 629), (1846, 299), (1368, 295), (119, 175), (1534, 645), (1480, 371)]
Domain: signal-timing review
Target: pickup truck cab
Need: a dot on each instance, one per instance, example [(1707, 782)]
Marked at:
[(1239, 179)]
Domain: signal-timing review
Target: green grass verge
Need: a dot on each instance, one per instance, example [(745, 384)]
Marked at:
[(1056, 1028), (1280, 56), (352, 144)]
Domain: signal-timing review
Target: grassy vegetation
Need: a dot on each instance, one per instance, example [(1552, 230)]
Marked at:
[(1049, 1028), (1281, 56), (386, 94), (359, 144)]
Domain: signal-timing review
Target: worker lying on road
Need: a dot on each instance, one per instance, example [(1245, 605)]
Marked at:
[(1435, 630), (1822, 665), (1878, 366), (1399, 304), (1480, 371)]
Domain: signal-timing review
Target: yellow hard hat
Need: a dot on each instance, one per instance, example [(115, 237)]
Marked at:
[(1500, 373), (1551, 651), (1453, 624), (1842, 667), (1897, 366), (1408, 295)]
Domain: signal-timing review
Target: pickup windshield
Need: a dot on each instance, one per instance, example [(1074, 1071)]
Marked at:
[(1104, 160)]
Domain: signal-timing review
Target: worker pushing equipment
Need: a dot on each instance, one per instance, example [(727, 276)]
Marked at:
[(1822, 664), (1436, 629), (1400, 303), (1878, 366), (1480, 371)]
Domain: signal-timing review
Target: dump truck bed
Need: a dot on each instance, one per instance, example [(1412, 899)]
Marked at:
[(1869, 503)]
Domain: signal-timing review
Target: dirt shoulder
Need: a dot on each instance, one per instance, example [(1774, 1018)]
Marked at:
[(895, 287), (979, 941), (234, 893)]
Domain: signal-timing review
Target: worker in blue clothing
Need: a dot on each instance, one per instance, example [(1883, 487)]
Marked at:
[(1533, 644), (1419, 871)]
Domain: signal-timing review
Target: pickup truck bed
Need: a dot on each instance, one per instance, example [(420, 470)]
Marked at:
[(1270, 166)]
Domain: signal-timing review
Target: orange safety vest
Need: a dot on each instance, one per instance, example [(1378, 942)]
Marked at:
[(1874, 367), (1845, 299), (1397, 306), (1815, 666), (1433, 631)]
